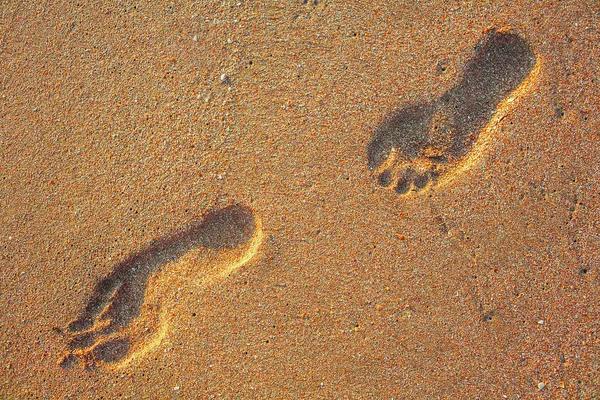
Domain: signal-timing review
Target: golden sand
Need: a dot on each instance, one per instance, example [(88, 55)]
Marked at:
[(116, 130)]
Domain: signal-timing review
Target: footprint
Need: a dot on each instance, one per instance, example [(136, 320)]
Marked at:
[(123, 319), (429, 143)]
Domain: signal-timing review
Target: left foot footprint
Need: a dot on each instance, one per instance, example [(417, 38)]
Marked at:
[(117, 323)]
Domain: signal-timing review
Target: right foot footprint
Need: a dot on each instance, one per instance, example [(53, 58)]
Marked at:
[(428, 143), (116, 321)]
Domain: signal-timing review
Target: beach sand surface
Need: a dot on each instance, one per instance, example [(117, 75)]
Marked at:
[(122, 122)]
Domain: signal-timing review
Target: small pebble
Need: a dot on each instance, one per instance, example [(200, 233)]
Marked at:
[(229, 41), (176, 388), (224, 78), (195, 38), (541, 385)]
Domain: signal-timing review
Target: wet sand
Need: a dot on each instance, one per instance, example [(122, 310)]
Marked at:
[(117, 130)]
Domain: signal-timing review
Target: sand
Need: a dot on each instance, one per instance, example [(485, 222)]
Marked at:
[(117, 131)]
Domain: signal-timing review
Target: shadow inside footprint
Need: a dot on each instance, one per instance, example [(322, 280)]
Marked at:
[(420, 142), (117, 299), (406, 131), (112, 351)]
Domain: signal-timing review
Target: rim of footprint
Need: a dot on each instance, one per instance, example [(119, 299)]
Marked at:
[(130, 311), (425, 144)]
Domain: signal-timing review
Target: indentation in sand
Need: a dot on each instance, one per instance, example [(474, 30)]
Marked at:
[(430, 143), (131, 311)]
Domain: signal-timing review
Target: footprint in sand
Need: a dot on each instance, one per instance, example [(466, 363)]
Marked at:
[(428, 143), (124, 317)]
